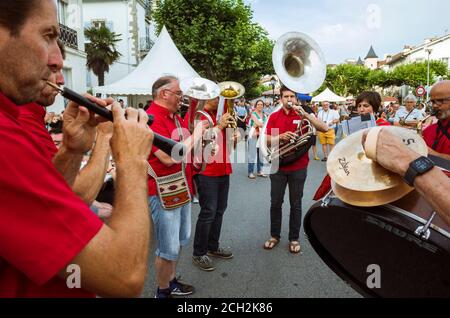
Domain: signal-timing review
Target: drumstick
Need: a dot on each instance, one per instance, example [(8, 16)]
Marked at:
[(163, 143)]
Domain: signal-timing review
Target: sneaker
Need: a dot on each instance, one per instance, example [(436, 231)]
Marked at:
[(180, 289), (251, 176), (324, 159), (163, 293), (203, 262), (316, 158), (221, 253), (195, 200)]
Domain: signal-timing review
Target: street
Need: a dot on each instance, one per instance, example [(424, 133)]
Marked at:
[(255, 272)]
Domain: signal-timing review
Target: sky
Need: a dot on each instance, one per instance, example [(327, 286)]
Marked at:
[(347, 28)]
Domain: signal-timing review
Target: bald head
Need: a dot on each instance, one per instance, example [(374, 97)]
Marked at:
[(440, 95), (441, 89)]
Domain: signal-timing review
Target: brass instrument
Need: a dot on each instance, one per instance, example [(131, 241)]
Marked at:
[(199, 90), (421, 122), (300, 65), (286, 151), (231, 91)]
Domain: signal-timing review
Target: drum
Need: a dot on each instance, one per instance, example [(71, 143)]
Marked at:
[(353, 241)]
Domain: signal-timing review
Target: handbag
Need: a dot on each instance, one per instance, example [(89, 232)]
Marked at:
[(173, 190)]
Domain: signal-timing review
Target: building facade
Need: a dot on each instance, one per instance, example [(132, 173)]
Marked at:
[(435, 49), (70, 17), (371, 60), (130, 19)]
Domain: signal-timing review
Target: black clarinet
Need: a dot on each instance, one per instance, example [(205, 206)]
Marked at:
[(165, 144)]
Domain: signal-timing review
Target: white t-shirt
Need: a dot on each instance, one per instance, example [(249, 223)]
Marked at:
[(328, 116), (415, 114)]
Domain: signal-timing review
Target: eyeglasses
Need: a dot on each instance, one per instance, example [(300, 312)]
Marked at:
[(179, 93), (438, 101)]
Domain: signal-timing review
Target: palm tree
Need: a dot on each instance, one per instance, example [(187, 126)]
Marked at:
[(101, 51)]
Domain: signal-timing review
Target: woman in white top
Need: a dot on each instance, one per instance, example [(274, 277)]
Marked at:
[(257, 120)]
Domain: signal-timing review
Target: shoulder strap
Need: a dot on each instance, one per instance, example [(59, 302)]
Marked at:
[(150, 170), (180, 133), (444, 130)]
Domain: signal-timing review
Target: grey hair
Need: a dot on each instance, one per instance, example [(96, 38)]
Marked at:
[(410, 97), (162, 83)]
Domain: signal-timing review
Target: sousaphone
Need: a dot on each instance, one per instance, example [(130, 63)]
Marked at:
[(300, 65), (199, 90)]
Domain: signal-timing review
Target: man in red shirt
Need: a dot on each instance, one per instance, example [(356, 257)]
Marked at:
[(437, 136), (89, 180), (172, 227), (213, 184), (51, 244), (280, 128)]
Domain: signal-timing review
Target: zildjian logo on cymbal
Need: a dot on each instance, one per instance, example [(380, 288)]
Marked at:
[(344, 164)]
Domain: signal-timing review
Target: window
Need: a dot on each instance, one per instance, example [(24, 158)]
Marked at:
[(62, 11), (98, 23)]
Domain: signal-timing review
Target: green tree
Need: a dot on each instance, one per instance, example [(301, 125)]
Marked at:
[(346, 79), (415, 74), (219, 39), (101, 51)]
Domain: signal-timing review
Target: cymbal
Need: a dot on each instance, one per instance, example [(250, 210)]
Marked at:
[(350, 168), (370, 198)]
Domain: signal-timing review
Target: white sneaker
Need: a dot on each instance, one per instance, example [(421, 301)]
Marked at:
[(251, 176), (195, 200)]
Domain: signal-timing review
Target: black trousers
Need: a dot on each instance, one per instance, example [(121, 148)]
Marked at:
[(213, 199), (278, 181)]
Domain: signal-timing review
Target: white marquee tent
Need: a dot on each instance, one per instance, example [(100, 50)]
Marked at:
[(328, 96), (163, 59)]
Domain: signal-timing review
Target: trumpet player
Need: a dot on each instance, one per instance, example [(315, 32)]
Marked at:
[(280, 129)]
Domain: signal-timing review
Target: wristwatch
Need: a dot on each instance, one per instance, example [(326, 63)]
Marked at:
[(416, 168)]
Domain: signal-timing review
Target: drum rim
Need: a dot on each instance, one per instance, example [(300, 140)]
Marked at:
[(418, 219)]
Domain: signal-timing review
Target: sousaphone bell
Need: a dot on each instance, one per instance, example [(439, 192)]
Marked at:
[(199, 90)]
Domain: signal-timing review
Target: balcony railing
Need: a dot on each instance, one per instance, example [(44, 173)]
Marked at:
[(69, 36)]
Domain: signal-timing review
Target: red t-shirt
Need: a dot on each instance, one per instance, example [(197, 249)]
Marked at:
[(164, 125), (432, 133), (43, 224), (219, 165), (382, 122), (286, 122), (31, 118)]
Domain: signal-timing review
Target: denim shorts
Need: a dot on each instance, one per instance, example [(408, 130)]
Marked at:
[(172, 228)]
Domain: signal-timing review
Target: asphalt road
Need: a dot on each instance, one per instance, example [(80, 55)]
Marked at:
[(255, 272)]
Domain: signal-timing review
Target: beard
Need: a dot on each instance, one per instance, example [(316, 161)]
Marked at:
[(445, 114)]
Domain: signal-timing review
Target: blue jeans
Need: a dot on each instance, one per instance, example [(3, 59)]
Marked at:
[(213, 198), (172, 228), (278, 181), (254, 156), (251, 165)]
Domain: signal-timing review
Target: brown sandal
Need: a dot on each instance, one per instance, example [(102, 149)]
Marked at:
[(271, 243), (294, 247)]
